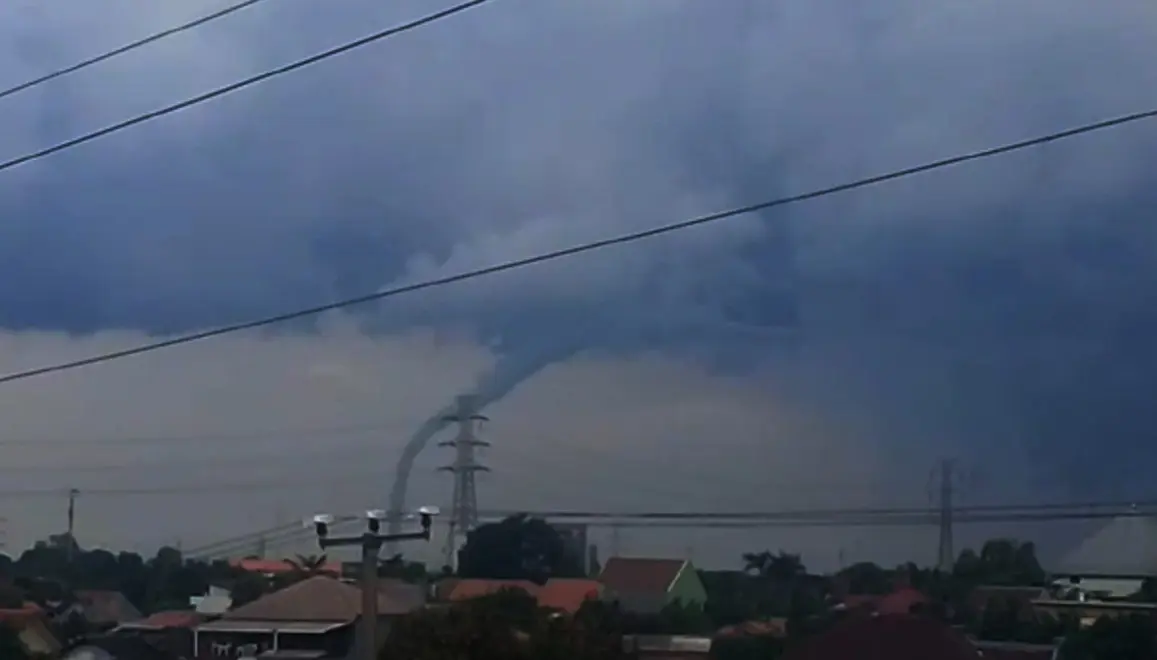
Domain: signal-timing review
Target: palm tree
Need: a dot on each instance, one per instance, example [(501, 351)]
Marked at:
[(307, 566)]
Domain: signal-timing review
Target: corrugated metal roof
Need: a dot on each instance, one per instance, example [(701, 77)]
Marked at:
[(1125, 547), (253, 625)]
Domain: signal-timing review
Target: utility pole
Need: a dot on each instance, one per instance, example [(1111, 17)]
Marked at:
[(72, 494), (370, 542), (616, 540)]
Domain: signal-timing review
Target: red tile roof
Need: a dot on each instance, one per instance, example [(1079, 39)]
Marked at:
[(900, 601), (888, 637), (640, 575), (21, 614), (567, 595), (469, 588)]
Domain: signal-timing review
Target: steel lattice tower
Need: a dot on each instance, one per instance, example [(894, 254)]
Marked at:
[(464, 509)]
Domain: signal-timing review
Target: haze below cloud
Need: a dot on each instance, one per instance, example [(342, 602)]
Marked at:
[(999, 312)]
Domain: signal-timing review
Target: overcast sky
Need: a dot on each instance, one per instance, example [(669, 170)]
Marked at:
[(824, 354)]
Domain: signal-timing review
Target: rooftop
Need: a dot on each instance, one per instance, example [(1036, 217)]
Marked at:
[(1125, 547), (886, 637), (639, 574), (317, 599)]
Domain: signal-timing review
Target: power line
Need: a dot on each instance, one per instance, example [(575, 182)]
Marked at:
[(84, 64), (290, 533), (241, 84), (259, 434), (545, 256)]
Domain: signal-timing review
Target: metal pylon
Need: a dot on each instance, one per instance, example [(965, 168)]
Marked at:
[(464, 507)]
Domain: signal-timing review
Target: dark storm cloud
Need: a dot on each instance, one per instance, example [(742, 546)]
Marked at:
[(998, 307)]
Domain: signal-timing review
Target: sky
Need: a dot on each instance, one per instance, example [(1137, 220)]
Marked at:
[(827, 353)]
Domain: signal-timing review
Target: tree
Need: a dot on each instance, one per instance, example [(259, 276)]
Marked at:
[(779, 566), (865, 578), (1125, 638), (517, 548), (397, 567), (11, 647), (1004, 562), (506, 626)]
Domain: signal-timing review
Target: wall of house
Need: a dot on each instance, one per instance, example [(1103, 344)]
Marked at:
[(688, 589), (640, 602), (221, 644)]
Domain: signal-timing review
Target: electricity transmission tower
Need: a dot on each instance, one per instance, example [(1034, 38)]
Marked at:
[(464, 507), (946, 478)]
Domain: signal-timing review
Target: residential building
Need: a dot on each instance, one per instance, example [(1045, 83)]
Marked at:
[(667, 647), (646, 586), (558, 594), (103, 610), (117, 648), (1097, 577), (890, 636), (170, 631), (315, 615), (1009, 598), (1016, 650), (904, 600), (32, 629)]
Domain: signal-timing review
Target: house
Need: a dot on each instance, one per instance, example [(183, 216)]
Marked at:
[(1016, 599), (117, 648), (169, 631), (1097, 577), (1016, 650), (646, 586), (32, 628), (558, 594), (103, 610), (890, 637), (315, 615), (904, 600), (667, 647)]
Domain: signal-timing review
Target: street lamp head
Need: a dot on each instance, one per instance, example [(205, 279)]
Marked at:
[(375, 518), (427, 514), (321, 523)]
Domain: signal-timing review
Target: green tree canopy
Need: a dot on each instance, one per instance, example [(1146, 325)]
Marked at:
[(504, 626), (777, 566), (517, 548)]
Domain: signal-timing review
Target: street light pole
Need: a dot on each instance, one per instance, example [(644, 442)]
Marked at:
[(371, 542)]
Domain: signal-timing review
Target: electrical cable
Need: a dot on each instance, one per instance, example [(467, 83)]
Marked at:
[(222, 436), (241, 84), (294, 532), (84, 64), (544, 256)]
